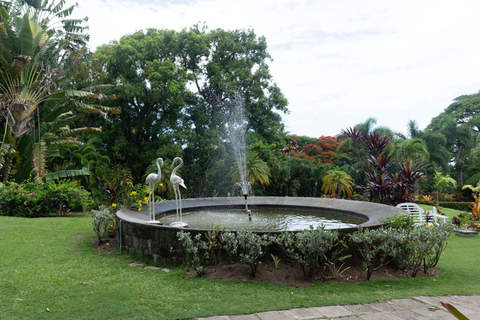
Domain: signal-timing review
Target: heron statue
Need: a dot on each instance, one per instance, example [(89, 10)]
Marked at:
[(152, 180), (176, 183)]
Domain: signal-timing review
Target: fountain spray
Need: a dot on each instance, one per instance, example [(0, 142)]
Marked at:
[(236, 128)]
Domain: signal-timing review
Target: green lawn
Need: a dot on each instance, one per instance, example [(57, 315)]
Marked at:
[(49, 263)]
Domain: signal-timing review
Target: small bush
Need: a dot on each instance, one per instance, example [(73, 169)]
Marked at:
[(309, 248), (103, 222), (139, 196), (399, 221), (194, 249), (377, 247), (249, 247), (423, 246)]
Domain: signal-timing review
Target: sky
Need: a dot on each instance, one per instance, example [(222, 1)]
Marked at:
[(338, 62)]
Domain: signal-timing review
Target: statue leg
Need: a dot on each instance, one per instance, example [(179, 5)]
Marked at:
[(176, 199), (152, 208), (180, 203)]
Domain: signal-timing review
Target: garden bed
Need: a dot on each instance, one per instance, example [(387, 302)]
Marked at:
[(289, 274)]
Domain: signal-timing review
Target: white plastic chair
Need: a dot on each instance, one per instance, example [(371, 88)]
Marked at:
[(419, 215), (437, 217), (414, 211)]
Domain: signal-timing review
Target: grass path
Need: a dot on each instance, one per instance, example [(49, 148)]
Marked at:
[(49, 263)]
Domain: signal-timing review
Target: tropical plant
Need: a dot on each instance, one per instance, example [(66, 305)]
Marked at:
[(42, 82), (443, 182), (103, 222), (475, 205), (337, 182)]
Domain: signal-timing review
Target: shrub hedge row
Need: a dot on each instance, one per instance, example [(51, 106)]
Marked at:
[(45, 199)]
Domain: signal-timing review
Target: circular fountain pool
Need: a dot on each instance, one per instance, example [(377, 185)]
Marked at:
[(263, 219), (138, 236)]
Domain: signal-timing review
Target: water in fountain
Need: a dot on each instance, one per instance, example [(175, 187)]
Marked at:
[(236, 129)]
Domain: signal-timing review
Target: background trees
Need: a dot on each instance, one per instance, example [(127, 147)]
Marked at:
[(175, 90), (169, 93)]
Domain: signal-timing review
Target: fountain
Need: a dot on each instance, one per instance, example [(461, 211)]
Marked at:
[(140, 237), (236, 130)]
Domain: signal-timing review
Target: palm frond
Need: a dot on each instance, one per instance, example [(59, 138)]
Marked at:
[(38, 158), (77, 131)]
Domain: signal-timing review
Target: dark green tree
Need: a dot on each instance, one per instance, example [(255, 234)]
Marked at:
[(177, 88)]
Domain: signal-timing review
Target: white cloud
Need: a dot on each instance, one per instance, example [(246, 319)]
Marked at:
[(338, 62)]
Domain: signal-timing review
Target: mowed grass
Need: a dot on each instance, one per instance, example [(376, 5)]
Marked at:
[(48, 270)]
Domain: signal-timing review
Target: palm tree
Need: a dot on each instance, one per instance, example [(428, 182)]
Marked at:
[(443, 181), (414, 149), (257, 170), (43, 82), (337, 182)]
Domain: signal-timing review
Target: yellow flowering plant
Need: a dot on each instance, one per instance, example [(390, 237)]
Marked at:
[(139, 196)]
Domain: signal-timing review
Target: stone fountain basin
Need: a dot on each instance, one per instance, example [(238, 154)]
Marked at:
[(137, 236)]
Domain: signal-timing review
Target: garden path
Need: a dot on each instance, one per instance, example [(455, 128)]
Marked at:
[(423, 307)]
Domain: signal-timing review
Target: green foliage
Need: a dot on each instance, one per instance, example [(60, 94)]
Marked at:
[(409, 247), (337, 182), (461, 206), (103, 222), (195, 251), (160, 108), (249, 247), (399, 221), (39, 200), (276, 260), (214, 244), (119, 184), (422, 245), (45, 87), (377, 247), (309, 248), (139, 197)]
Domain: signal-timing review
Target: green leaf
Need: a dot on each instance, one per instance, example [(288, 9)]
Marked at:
[(67, 174), (454, 311)]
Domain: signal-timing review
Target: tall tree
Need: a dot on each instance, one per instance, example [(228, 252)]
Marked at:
[(177, 88)]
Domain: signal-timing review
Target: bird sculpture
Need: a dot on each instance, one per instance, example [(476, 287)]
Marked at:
[(152, 179), (176, 183)]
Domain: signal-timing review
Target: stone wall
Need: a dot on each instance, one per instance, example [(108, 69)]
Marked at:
[(151, 241)]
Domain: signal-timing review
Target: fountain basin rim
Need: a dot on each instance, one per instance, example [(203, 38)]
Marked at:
[(371, 212)]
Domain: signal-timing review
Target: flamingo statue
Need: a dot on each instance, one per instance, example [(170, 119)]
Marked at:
[(176, 183), (152, 179)]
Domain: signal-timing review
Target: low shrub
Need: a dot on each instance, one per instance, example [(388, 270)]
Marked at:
[(249, 247), (309, 248), (32, 199), (398, 243), (195, 251), (377, 247), (103, 222)]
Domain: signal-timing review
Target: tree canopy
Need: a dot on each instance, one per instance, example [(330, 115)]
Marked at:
[(175, 89)]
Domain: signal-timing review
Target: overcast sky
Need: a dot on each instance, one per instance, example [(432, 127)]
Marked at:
[(338, 62)]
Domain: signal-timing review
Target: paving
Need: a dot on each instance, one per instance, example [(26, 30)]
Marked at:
[(423, 307)]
